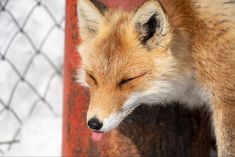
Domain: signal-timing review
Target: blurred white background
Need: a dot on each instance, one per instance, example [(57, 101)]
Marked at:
[(31, 61)]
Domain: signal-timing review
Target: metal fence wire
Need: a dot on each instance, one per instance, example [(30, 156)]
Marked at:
[(31, 61)]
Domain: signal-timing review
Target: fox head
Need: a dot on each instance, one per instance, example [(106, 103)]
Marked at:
[(128, 58)]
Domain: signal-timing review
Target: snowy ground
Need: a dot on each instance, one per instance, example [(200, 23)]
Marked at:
[(31, 61)]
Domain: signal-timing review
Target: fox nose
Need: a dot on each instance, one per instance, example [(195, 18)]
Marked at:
[(95, 124)]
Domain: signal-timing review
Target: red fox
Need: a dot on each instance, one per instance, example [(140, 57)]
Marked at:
[(164, 51)]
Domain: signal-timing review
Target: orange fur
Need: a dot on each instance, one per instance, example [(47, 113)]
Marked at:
[(199, 40)]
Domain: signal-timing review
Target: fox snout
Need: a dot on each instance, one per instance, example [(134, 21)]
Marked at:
[(105, 124), (110, 114), (103, 117)]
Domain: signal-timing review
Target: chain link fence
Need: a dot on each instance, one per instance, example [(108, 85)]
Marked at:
[(31, 61)]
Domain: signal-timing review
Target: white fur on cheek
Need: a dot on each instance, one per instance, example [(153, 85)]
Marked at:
[(116, 118), (112, 122), (183, 89), (80, 78), (131, 103)]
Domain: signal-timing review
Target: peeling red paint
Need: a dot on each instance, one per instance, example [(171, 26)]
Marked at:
[(76, 136), (75, 133)]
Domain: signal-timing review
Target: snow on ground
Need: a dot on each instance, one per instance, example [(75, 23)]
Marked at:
[(31, 47)]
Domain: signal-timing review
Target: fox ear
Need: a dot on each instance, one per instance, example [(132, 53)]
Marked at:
[(151, 23), (90, 15)]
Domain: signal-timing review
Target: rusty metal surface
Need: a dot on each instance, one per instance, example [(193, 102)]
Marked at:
[(163, 132), (76, 136)]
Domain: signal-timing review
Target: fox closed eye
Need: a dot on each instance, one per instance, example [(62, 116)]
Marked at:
[(128, 80), (92, 78), (125, 81)]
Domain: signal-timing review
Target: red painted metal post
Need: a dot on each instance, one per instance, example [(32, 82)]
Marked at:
[(74, 125), (76, 136)]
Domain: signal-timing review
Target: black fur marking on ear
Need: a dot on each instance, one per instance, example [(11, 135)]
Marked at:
[(100, 6), (150, 27)]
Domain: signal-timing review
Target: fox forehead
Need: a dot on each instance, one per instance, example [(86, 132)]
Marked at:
[(115, 34), (115, 47)]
